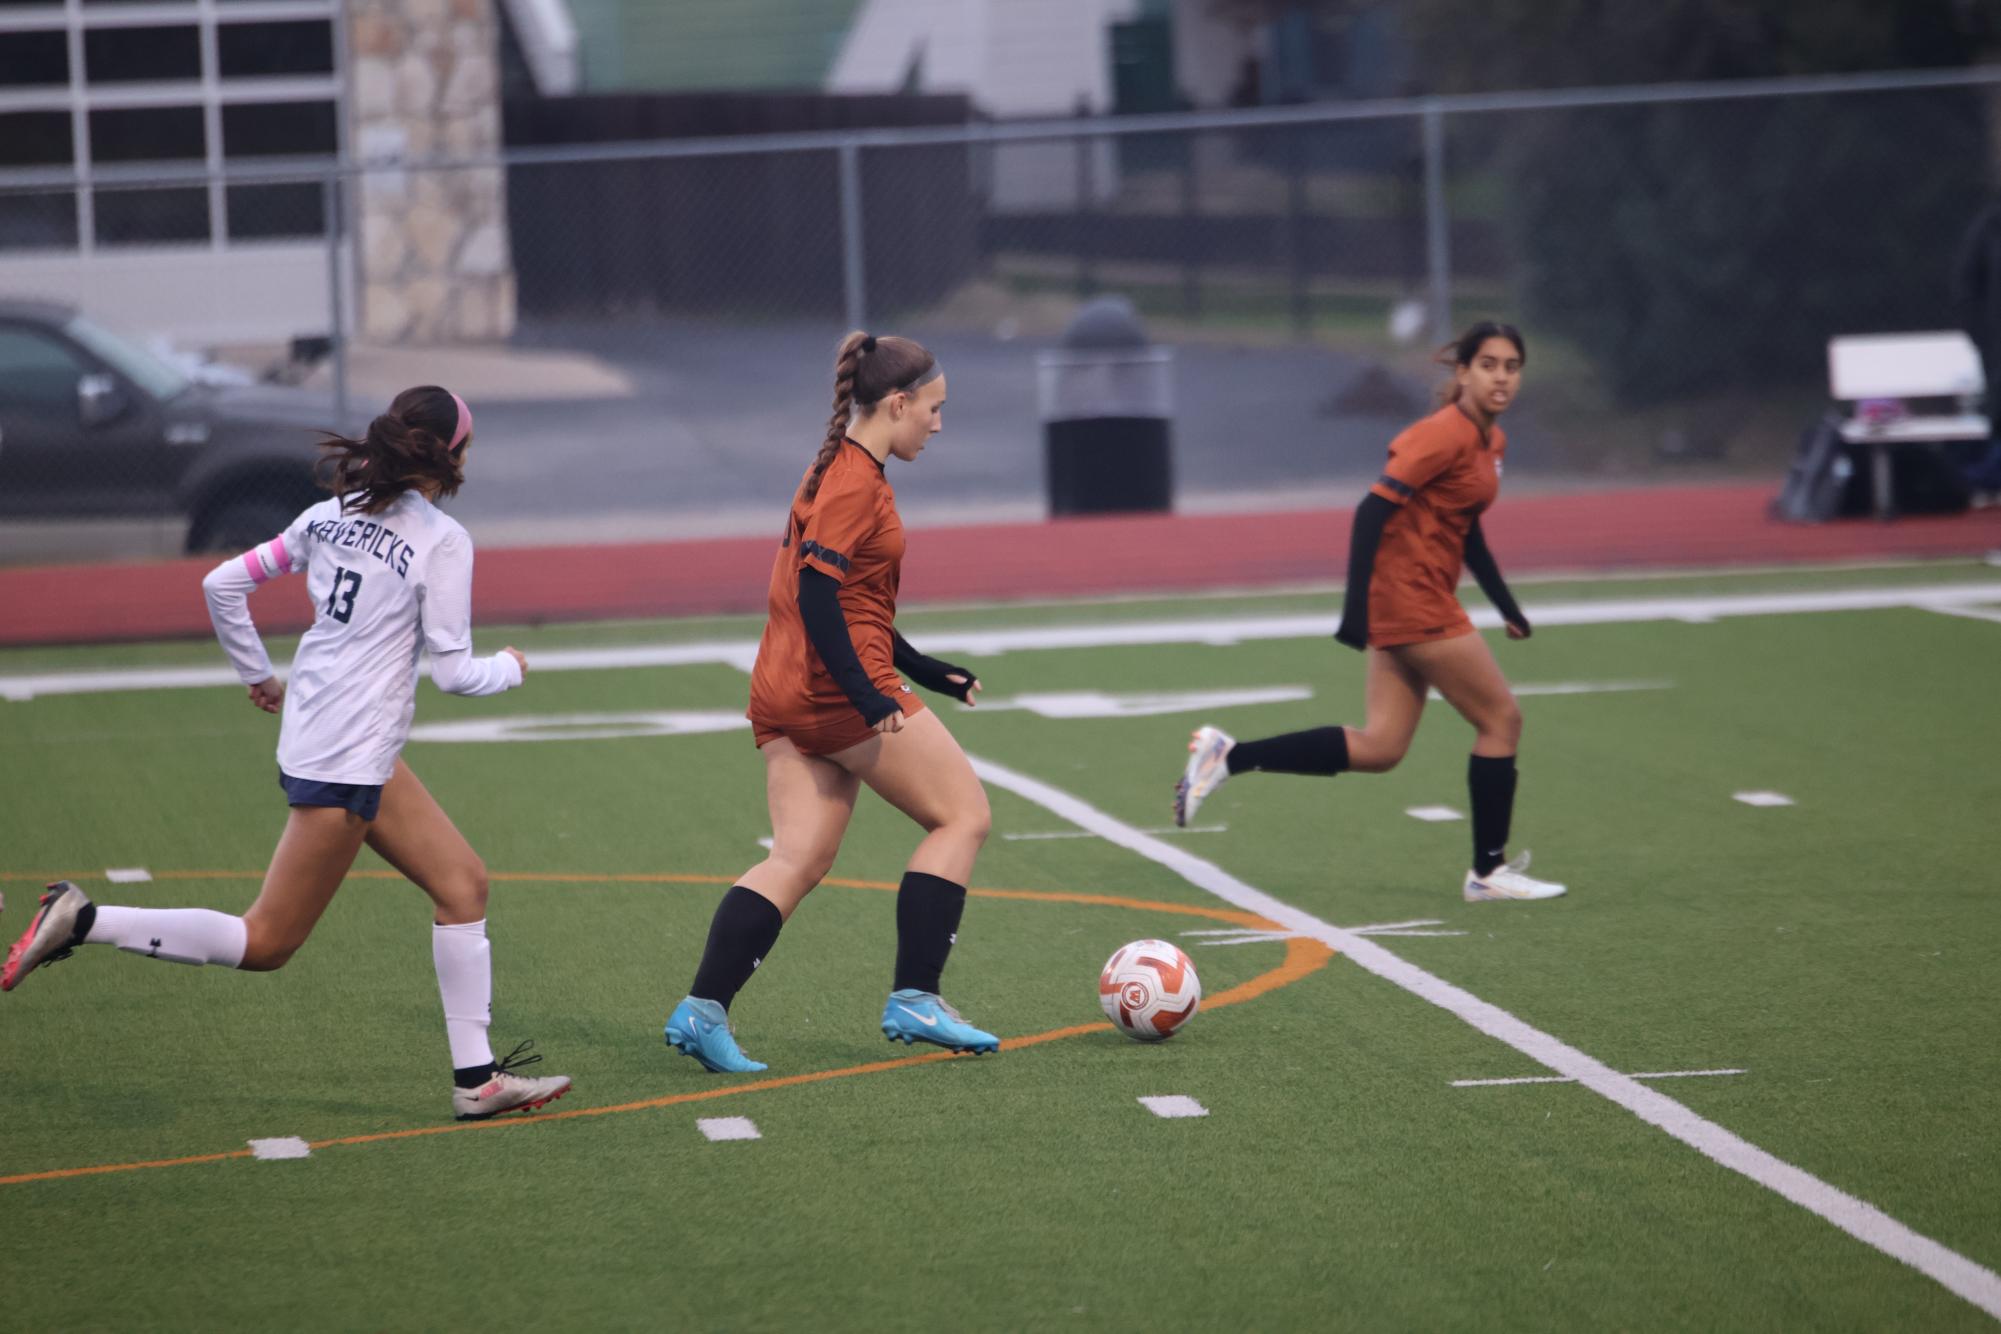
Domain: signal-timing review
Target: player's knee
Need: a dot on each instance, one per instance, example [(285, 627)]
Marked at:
[(806, 867), (1507, 723), (1375, 755), (266, 951), (979, 822), (464, 894)]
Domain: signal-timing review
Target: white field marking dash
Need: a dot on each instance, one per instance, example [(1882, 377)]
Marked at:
[(1042, 835), (1970, 613), (717, 1128), (1762, 798), (1242, 937), (1434, 814), (1581, 687), (128, 875), (1174, 1104), (1858, 1218), (291, 1146), (1566, 1079), (1419, 927), (1104, 634)]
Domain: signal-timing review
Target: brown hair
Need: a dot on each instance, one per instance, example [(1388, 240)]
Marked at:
[(867, 370), (1461, 351), (405, 449)]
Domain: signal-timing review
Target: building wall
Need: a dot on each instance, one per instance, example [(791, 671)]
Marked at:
[(97, 98)]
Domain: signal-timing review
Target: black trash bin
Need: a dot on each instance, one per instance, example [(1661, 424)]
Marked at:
[(1107, 401)]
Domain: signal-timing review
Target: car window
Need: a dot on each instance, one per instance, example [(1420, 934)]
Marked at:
[(37, 371), (144, 369)]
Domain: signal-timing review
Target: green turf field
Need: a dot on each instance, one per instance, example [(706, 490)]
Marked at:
[(1843, 952)]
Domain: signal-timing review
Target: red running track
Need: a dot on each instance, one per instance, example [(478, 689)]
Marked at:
[(1600, 530)]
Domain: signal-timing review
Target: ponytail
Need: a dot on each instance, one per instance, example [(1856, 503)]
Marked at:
[(418, 444), (867, 370), (847, 363)]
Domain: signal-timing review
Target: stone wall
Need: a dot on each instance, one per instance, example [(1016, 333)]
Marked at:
[(424, 84)]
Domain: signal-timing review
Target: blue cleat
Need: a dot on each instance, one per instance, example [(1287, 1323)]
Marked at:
[(920, 1016), (701, 1029)]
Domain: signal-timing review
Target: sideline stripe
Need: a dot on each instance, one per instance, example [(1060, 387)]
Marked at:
[(1302, 957), (1859, 1219), (1107, 634)]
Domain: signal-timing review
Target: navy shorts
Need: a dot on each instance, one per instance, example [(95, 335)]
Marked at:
[(364, 799)]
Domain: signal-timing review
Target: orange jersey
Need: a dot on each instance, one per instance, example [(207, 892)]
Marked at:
[(1442, 473), (851, 532)]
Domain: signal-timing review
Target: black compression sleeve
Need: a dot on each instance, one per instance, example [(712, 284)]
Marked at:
[(820, 609), (1480, 561), (931, 673), (1370, 516)]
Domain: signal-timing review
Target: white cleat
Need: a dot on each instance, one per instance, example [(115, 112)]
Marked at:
[(1510, 882), (505, 1091), (1208, 765)]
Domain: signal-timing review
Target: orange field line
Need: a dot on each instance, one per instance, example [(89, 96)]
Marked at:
[(1302, 956)]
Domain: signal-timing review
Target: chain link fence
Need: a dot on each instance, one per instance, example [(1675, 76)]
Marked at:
[(1678, 259)]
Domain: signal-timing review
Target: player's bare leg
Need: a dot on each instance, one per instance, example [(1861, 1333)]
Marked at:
[(1465, 673), (413, 834), (1394, 703), (920, 770), (811, 800)]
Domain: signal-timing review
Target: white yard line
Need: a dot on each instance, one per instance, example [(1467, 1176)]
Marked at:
[(1861, 1220), (1566, 1079), (1101, 634)]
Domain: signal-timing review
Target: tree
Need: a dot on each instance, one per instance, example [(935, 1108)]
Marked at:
[(1711, 245)]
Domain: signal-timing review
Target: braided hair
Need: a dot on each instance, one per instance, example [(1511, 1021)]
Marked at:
[(410, 447), (867, 370)]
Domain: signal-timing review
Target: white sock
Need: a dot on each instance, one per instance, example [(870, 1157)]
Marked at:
[(465, 983), (178, 935)]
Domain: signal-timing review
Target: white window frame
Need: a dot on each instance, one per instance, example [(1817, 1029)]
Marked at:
[(211, 92)]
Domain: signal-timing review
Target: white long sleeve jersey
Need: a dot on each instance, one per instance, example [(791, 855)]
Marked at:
[(384, 586)]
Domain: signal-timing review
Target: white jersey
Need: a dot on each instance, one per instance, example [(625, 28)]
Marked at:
[(384, 586)]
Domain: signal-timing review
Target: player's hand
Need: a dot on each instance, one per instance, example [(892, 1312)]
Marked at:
[(520, 659), (961, 679), (1520, 631), (891, 723), (268, 695)]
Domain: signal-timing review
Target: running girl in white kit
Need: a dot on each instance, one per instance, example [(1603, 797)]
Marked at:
[(390, 574)]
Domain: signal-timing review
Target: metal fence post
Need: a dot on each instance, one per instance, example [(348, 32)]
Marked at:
[(336, 307), (1437, 224), (854, 277)]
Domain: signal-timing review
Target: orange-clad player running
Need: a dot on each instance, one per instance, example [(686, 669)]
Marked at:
[(831, 712), (1418, 528)]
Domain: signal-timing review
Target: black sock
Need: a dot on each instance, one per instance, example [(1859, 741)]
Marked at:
[(742, 932), (472, 1076), (1491, 780), (1320, 750), (928, 908)]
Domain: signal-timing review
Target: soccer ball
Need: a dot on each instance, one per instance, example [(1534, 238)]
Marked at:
[(1149, 989)]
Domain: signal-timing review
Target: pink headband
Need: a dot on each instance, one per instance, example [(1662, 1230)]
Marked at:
[(465, 423)]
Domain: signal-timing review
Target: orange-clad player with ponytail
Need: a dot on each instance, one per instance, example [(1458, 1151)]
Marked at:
[(831, 712), (1418, 528)]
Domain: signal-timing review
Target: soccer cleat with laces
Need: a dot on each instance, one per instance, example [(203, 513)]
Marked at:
[(920, 1016), (506, 1091), (701, 1029), (1510, 882), (59, 927), (1208, 765)]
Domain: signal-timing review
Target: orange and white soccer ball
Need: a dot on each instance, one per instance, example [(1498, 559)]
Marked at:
[(1149, 989)]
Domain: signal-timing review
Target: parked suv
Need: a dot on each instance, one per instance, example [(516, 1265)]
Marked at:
[(94, 424)]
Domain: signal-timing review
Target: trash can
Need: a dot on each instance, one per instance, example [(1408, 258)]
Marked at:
[(1107, 399)]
